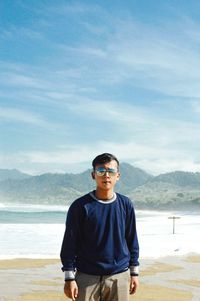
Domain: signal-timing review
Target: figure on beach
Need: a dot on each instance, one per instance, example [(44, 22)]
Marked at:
[(100, 248)]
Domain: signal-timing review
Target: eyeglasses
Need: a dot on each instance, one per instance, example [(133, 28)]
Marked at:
[(101, 171)]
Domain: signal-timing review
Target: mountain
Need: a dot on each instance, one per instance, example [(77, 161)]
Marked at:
[(46, 188), (175, 190), (131, 177), (12, 174), (62, 188), (180, 178)]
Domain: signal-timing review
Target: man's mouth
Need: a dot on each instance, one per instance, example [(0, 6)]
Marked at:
[(106, 182)]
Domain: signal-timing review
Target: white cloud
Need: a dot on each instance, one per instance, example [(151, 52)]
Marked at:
[(160, 59), (20, 80), (23, 32), (84, 51), (153, 159), (157, 60), (195, 104), (106, 111), (22, 116), (72, 8), (80, 77)]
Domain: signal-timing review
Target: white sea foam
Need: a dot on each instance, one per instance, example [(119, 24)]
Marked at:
[(39, 240), (32, 208), (30, 240), (156, 236)]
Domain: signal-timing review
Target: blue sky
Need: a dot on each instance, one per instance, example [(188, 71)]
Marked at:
[(78, 78)]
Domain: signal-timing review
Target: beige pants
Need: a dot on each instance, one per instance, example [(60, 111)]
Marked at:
[(103, 288)]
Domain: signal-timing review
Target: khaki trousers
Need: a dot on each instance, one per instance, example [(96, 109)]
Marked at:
[(103, 288)]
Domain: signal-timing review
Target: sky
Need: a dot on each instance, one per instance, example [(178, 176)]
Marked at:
[(79, 78)]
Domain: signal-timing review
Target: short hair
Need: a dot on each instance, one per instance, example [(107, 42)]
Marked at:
[(104, 158)]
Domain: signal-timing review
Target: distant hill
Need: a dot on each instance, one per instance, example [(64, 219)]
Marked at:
[(46, 188), (131, 177), (62, 188), (12, 174), (175, 190), (180, 178)]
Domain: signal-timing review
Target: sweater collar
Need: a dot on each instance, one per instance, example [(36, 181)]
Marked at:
[(92, 194)]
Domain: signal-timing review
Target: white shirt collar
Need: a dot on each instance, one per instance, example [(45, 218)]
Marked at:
[(103, 201)]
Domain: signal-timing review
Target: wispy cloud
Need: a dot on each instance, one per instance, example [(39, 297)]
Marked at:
[(73, 8), (154, 60), (22, 116), (153, 159), (85, 51), (158, 58), (13, 79), (195, 104), (15, 32), (119, 84)]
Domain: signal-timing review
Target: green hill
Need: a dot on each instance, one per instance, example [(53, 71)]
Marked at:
[(61, 188), (12, 174), (180, 178), (175, 190)]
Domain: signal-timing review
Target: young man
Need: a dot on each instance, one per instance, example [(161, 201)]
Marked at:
[(100, 247)]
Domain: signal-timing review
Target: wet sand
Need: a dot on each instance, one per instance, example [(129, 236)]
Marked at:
[(175, 278)]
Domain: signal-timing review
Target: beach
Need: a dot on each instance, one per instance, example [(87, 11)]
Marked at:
[(31, 237), (171, 278), (36, 231)]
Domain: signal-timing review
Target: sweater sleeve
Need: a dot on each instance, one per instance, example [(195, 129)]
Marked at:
[(70, 240), (131, 236)]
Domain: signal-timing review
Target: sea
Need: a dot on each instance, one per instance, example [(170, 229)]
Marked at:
[(36, 231)]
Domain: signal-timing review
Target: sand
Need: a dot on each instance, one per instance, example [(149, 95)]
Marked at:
[(159, 267), (23, 263), (193, 259), (164, 279)]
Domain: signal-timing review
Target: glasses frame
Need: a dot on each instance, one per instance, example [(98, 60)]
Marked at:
[(101, 171)]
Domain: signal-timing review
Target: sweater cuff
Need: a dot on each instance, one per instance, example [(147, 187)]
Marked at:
[(134, 270), (69, 275)]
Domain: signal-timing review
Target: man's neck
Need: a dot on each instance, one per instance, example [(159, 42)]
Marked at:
[(104, 194)]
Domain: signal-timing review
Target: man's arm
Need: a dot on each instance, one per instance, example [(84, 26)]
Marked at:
[(133, 245), (134, 283), (70, 240), (69, 251), (71, 289)]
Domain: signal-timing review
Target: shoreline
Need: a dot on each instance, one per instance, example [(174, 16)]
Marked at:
[(56, 257), (41, 240), (169, 278)]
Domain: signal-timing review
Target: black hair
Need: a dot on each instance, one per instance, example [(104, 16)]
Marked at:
[(104, 158)]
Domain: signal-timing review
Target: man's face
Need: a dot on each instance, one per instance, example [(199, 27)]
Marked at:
[(106, 175)]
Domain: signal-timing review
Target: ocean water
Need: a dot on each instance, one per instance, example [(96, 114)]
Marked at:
[(32, 214), (36, 231)]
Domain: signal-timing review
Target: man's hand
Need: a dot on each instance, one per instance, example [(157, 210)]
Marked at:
[(134, 283), (71, 289)]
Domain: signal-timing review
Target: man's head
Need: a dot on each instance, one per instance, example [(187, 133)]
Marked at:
[(105, 171), (104, 158)]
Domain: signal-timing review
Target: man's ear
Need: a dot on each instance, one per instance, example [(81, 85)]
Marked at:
[(118, 176), (93, 176)]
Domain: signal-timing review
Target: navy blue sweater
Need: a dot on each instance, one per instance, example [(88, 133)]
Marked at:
[(100, 237)]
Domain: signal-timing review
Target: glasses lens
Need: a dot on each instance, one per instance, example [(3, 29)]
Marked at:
[(102, 171)]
